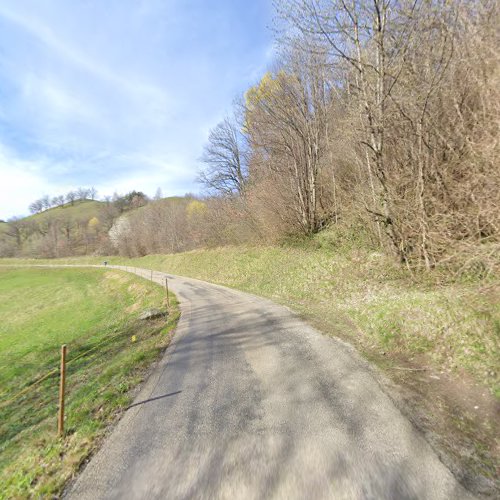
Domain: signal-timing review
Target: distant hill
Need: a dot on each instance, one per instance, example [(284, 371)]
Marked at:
[(70, 229), (78, 228), (81, 209)]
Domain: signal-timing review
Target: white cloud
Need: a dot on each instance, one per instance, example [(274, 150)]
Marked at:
[(21, 182)]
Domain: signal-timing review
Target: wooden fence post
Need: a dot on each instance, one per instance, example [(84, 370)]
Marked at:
[(62, 384), (166, 288)]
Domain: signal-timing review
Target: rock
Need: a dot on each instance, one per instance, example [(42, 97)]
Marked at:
[(152, 314)]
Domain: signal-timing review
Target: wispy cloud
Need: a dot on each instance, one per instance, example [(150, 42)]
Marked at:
[(72, 55), (118, 94)]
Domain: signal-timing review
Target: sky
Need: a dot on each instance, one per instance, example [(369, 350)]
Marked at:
[(119, 94)]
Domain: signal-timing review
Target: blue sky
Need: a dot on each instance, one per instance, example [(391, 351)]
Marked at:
[(119, 94)]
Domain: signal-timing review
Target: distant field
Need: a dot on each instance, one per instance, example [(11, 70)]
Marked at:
[(95, 310)]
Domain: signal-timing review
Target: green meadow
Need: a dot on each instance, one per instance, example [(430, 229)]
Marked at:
[(95, 313)]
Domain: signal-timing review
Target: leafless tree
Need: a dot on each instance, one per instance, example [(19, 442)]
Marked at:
[(71, 197), (82, 193), (36, 206), (287, 119), (225, 159)]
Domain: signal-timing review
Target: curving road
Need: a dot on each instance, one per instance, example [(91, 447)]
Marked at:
[(250, 402)]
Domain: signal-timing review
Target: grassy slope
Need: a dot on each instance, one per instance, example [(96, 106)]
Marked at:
[(85, 209), (40, 310)]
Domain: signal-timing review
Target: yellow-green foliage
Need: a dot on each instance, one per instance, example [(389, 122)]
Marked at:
[(196, 209), (268, 86), (93, 223)]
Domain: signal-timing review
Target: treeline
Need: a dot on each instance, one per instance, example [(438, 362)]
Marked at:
[(46, 201), (378, 116)]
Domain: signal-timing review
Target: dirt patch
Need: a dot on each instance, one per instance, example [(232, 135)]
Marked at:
[(458, 417)]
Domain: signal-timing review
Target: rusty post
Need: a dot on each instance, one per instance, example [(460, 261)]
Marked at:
[(166, 288), (62, 384)]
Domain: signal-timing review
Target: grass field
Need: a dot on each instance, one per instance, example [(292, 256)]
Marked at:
[(93, 312), (81, 209)]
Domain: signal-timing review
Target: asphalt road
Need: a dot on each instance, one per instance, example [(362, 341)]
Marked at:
[(250, 402)]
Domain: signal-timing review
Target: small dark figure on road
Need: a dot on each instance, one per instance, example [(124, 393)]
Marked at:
[(105, 262)]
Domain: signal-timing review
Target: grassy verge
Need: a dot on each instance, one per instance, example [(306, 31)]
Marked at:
[(454, 327), (95, 313)]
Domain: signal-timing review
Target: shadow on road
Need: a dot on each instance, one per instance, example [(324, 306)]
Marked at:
[(153, 399)]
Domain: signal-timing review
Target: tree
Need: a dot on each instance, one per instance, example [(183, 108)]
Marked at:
[(59, 200), (45, 200), (225, 157), (93, 224), (82, 193), (71, 197), (287, 122), (92, 192), (404, 71), (158, 194), (36, 206), (15, 229)]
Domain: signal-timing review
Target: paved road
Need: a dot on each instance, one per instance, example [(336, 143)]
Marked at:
[(250, 402)]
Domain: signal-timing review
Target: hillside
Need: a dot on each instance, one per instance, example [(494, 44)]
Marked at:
[(79, 228), (58, 231), (81, 209)]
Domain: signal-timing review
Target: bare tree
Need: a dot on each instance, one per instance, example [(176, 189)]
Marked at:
[(36, 206), (71, 197), (225, 158), (59, 200), (15, 229), (287, 119), (45, 200), (82, 193)]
